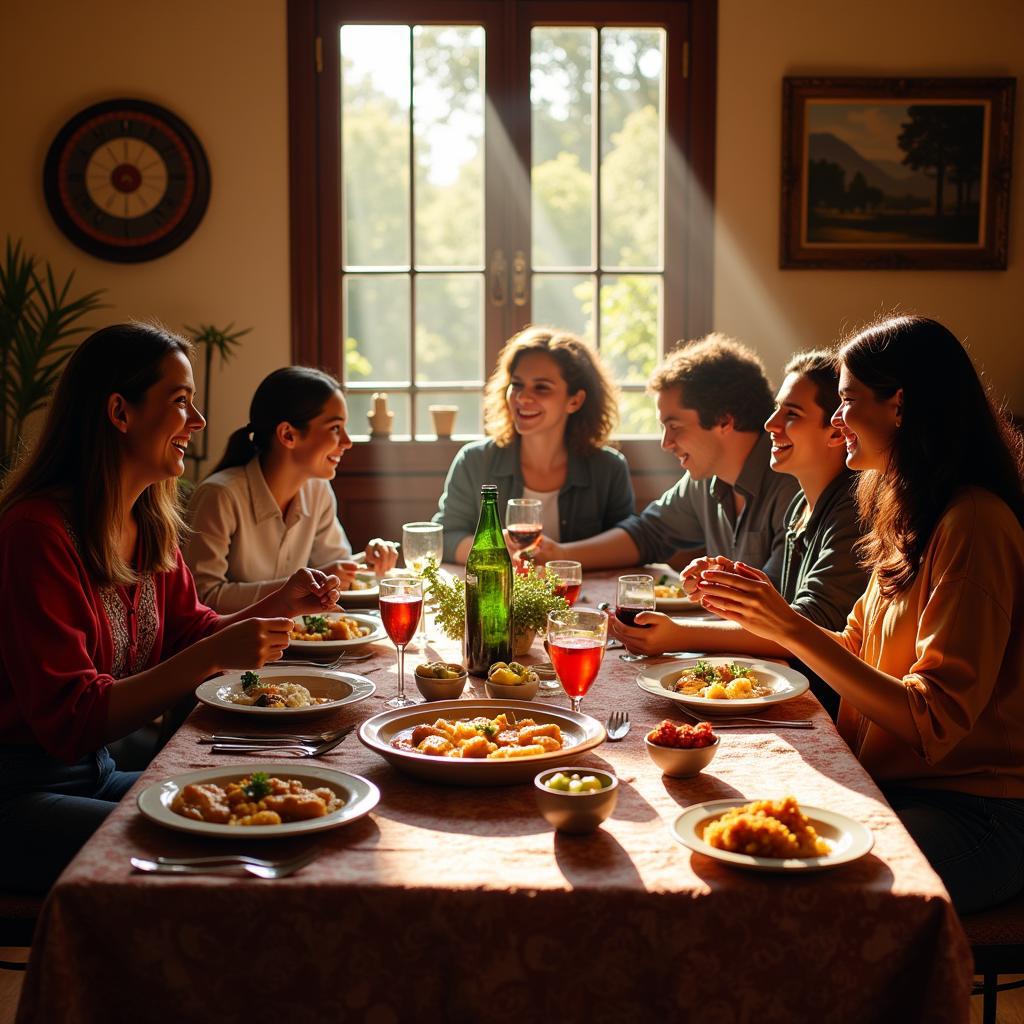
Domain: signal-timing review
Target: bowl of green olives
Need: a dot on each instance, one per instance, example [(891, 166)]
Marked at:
[(440, 680), (576, 801)]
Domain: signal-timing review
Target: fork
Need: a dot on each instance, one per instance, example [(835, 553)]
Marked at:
[(261, 869), (337, 663), (618, 725), (254, 738), (743, 722), (303, 749)]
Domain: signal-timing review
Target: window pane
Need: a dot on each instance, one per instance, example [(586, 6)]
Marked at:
[(631, 325), (361, 402), (375, 145), (449, 327), (632, 135), (637, 414), (448, 132), (376, 327), (566, 301), (561, 103), (468, 418)]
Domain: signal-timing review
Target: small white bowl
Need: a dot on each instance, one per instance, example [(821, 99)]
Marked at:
[(442, 689), (512, 691), (576, 813), (681, 762)]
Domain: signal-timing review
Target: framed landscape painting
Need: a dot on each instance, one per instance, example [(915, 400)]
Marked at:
[(896, 173)]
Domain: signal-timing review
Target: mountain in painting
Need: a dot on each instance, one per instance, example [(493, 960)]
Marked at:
[(884, 175)]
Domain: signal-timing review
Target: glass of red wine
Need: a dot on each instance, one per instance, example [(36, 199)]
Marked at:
[(525, 526), (633, 595), (570, 579), (576, 643), (401, 601)]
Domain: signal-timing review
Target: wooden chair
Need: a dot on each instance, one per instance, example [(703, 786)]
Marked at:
[(18, 915), (997, 942)]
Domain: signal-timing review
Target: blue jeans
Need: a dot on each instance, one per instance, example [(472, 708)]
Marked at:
[(975, 843), (48, 810)]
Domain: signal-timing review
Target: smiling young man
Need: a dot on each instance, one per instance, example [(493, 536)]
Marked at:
[(713, 397), (816, 568)]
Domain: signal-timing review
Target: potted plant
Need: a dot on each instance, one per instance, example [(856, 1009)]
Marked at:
[(533, 596), (37, 316)]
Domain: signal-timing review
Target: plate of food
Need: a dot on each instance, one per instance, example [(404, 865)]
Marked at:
[(772, 835), (280, 691), (333, 632), (724, 685), (365, 586), (479, 742), (671, 596), (258, 801)]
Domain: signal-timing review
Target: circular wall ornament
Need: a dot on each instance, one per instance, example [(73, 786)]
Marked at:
[(126, 180)]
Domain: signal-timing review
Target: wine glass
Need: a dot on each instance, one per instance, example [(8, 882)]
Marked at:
[(576, 642), (420, 543), (524, 524), (633, 595), (570, 579), (401, 601)]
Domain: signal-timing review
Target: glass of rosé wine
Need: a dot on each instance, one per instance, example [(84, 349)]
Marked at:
[(570, 579), (523, 522), (401, 602), (576, 642)]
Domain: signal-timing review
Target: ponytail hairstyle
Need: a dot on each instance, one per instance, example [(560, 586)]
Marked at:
[(293, 394), (950, 436), (78, 454)]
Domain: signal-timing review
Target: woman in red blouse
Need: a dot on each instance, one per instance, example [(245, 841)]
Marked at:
[(101, 628)]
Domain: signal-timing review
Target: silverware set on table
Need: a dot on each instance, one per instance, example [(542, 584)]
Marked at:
[(312, 745), (227, 864)]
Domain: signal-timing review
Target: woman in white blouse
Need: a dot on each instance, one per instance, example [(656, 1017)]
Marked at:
[(268, 508)]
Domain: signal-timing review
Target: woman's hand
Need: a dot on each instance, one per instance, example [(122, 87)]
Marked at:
[(748, 597), (345, 572), (250, 643), (690, 576), (661, 634), (545, 550), (307, 592), (381, 555)]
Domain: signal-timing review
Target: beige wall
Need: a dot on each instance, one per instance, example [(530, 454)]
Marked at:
[(221, 66), (760, 41)]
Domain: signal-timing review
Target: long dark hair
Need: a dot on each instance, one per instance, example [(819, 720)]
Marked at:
[(293, 394), (78, 454), (950, 436)]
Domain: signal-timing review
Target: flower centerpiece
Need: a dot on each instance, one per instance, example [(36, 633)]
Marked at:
[(533, 596)]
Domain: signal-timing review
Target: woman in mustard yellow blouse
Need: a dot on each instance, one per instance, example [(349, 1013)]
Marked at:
[(930, 667)]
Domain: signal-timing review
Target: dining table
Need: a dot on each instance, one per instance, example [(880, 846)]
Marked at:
[(455, 903)]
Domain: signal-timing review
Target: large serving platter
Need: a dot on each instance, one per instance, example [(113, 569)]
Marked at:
[(580, 734), (785, 682), (307, 647), (359, 794), (848, 838), (341, 687)]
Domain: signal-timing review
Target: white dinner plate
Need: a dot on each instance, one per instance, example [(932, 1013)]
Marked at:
[(359, 794), (579, 733), (341, 687), (848, 838), (370, 591), (337, 646), (677, 605), (785, 682)]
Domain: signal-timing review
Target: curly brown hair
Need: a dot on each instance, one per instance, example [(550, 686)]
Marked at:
[(934, 452), (590, 426), (718, 376)]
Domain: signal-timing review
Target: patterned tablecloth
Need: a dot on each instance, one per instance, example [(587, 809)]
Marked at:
[(450, 904)]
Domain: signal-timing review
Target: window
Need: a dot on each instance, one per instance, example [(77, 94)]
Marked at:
[(482, 166)]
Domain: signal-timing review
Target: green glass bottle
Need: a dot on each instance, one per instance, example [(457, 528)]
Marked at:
[(488, 590)]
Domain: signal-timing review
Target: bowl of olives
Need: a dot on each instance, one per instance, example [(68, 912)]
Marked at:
[(576, 801), (511, 681), (440, 680)]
